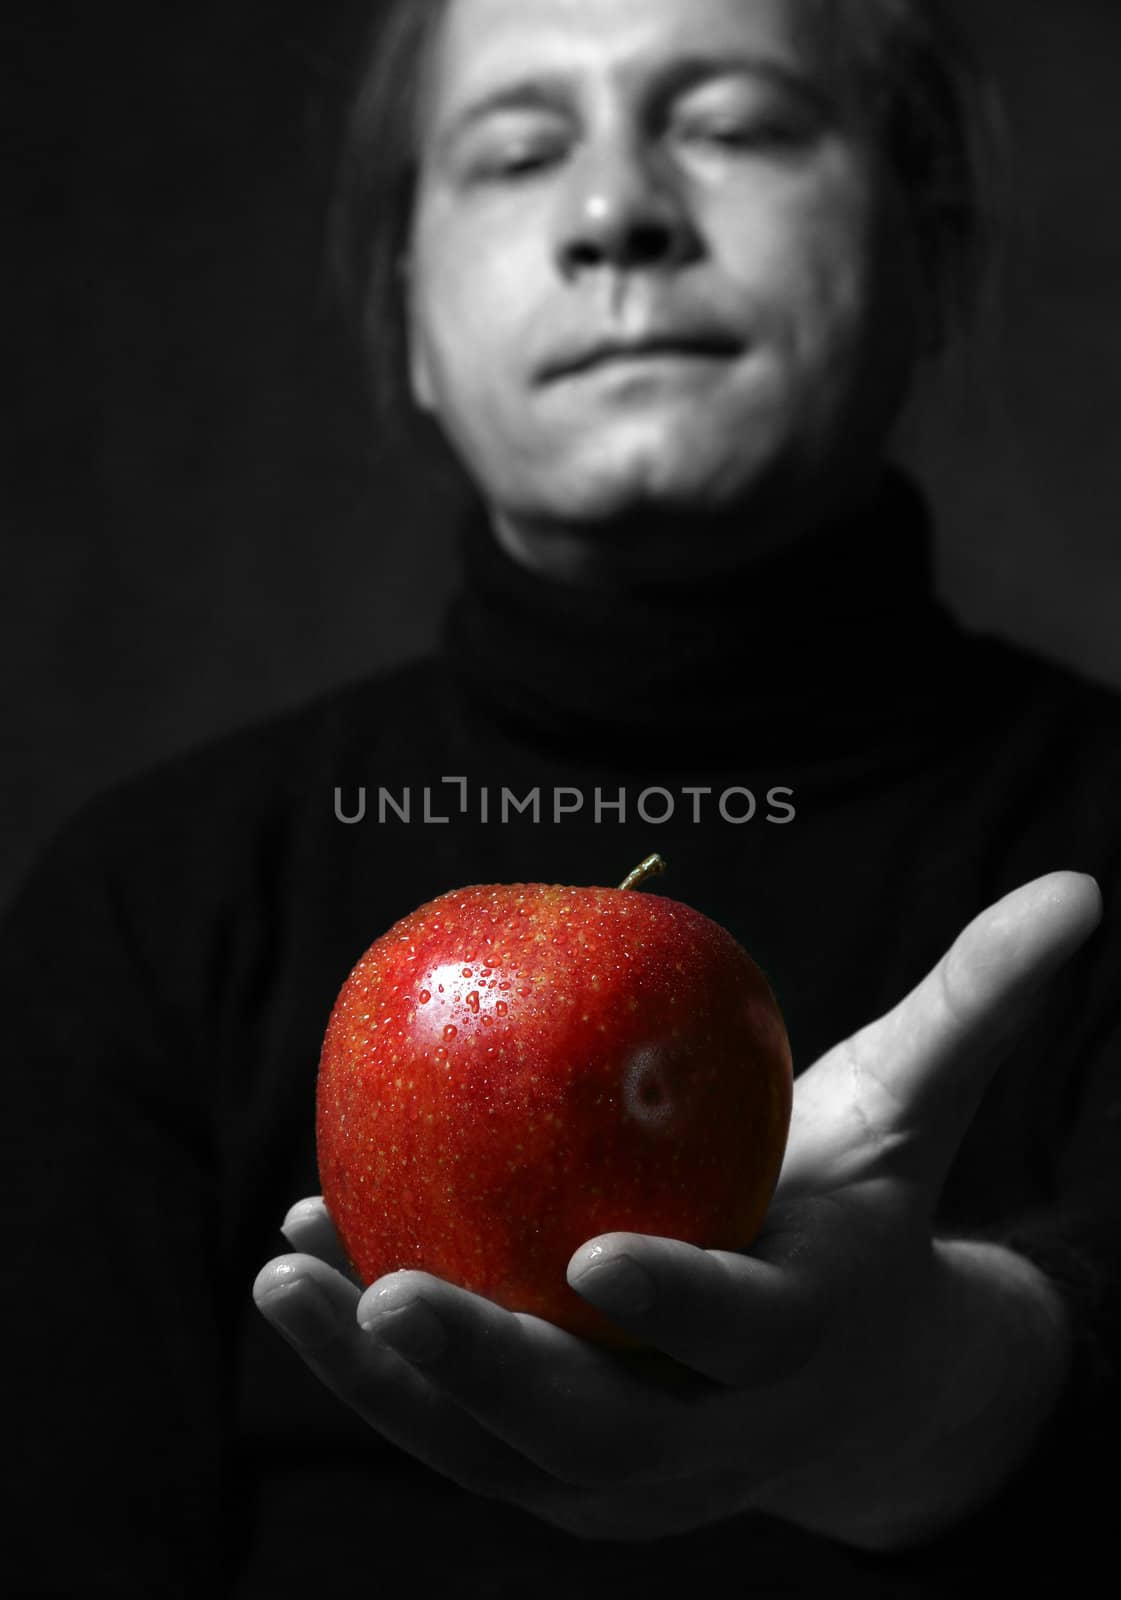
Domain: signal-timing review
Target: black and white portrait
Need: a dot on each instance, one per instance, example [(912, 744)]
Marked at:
[(560, 968)]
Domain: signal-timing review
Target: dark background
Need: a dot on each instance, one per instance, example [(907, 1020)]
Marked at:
[(202, 524)]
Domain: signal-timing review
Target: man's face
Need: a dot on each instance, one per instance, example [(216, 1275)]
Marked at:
[(654, 263)]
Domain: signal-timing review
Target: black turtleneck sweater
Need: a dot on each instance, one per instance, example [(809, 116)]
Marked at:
[(170, 965)]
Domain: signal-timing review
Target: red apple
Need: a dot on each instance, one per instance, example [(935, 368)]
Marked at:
[(515, 1068)]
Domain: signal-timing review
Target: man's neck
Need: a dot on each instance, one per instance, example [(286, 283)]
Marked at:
[(653, 546)]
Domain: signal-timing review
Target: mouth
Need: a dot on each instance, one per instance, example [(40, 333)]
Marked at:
[(667, 348)]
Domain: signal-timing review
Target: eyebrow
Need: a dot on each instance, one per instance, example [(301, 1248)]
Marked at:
[(553, 91)]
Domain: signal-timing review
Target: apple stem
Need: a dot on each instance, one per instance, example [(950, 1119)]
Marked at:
[(652, 867)]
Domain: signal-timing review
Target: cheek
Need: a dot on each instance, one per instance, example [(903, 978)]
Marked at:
[(827, 297), (471, 304), (804, 271)]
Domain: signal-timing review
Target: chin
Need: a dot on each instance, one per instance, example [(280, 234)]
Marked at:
[(674, 478)]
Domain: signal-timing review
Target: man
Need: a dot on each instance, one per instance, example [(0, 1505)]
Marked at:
[(666, 294)]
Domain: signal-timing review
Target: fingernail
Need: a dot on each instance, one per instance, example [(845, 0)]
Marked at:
[(617, 1285), (413, 1330), (301, 1312)]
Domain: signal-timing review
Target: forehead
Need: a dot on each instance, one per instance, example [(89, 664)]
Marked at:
[(482, 45)]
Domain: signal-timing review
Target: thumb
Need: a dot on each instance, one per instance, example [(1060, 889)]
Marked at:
[(917, 1073)]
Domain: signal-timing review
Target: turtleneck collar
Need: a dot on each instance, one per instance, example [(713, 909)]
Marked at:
[(814, 651)]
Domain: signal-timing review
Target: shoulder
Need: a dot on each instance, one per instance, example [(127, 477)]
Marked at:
[(207, 811), (1039, 702), (1049, 761)]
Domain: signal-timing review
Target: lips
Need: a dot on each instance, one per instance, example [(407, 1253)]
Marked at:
[(602, 352)]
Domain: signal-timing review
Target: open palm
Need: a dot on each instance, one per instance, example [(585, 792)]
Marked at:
[(812, 1377)]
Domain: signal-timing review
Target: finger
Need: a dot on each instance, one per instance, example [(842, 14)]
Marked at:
[(914, 1077), (314, 1308), (309, 1229), (310, 1303), (738, 1320), (567, 1406), (947, 1027)]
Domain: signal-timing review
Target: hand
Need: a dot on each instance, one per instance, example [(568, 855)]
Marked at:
[(851, 1373)]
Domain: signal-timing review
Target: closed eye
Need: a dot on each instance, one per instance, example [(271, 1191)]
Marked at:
[(734, 134), (520, 163), (513, 145)]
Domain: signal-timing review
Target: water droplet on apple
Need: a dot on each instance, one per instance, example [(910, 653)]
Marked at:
[(424, 997), (473, 1002), (466, 973), (501, 1008), (450, 1031)]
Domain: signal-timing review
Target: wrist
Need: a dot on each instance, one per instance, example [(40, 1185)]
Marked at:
[(977, 1377), (998, 1357)]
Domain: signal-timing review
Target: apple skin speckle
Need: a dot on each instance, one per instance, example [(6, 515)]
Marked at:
[(628, 1070)]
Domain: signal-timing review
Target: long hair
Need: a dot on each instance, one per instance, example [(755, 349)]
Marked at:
[(930, 111)]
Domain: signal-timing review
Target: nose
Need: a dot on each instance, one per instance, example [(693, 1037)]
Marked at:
[(621, 211)]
